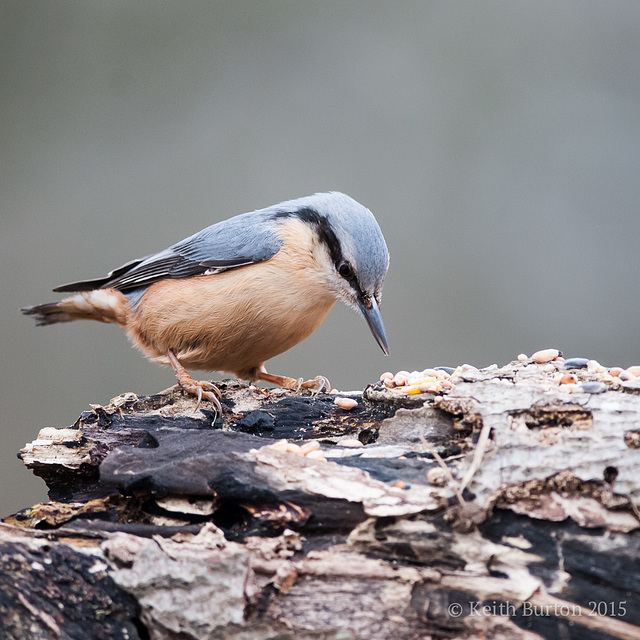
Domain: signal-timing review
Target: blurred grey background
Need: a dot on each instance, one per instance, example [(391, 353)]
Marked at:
[(498, 144)]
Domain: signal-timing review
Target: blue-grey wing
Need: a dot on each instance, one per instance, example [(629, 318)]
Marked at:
[(236, 242)]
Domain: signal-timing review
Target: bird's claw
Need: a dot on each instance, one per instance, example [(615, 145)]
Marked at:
[(202, 390), (209, 386), (317, 384)]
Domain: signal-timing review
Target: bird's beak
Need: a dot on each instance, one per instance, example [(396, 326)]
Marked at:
[(374, 320)]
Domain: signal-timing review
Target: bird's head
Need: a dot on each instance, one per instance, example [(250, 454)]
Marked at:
[(353, 256)]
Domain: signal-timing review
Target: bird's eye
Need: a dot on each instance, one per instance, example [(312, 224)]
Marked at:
[(345, 270)]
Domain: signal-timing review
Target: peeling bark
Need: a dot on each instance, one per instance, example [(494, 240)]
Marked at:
[(504, 508)]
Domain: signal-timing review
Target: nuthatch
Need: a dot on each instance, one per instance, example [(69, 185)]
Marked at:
[(241, 291)]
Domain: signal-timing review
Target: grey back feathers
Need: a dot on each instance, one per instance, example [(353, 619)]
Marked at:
[(349, 230), (238, 241)]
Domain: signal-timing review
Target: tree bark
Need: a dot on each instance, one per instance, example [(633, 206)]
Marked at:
[(506, 507)]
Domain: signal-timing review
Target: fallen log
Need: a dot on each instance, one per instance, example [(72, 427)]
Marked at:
[(503, 505)]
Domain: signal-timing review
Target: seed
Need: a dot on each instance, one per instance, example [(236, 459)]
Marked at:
[(400, 378), (281, 445), (316, 455), (429, 387), (389, 383), (549, 368), (308, 447), (576, 363), (615, 371), (401, 484), (523, 357), (545, 355), (346, 403), (625, 376), (448, 370), (414, 389), (387, 375), (593, 366), (594, 387), (635, 370), (437, 476), (294, 448), (568, 378), (350, 442)]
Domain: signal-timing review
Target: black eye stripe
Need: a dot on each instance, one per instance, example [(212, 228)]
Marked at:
[(327, 236), (322, 228), (347, 272)]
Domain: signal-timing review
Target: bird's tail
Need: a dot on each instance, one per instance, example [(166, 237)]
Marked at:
[(104, 305)]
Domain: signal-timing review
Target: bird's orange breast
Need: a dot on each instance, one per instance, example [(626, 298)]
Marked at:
[(236, 320)]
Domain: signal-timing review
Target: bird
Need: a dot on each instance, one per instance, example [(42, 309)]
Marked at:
[(241, 291)]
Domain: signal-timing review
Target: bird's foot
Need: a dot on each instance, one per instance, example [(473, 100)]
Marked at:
[(201, 389), (317, 384)]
